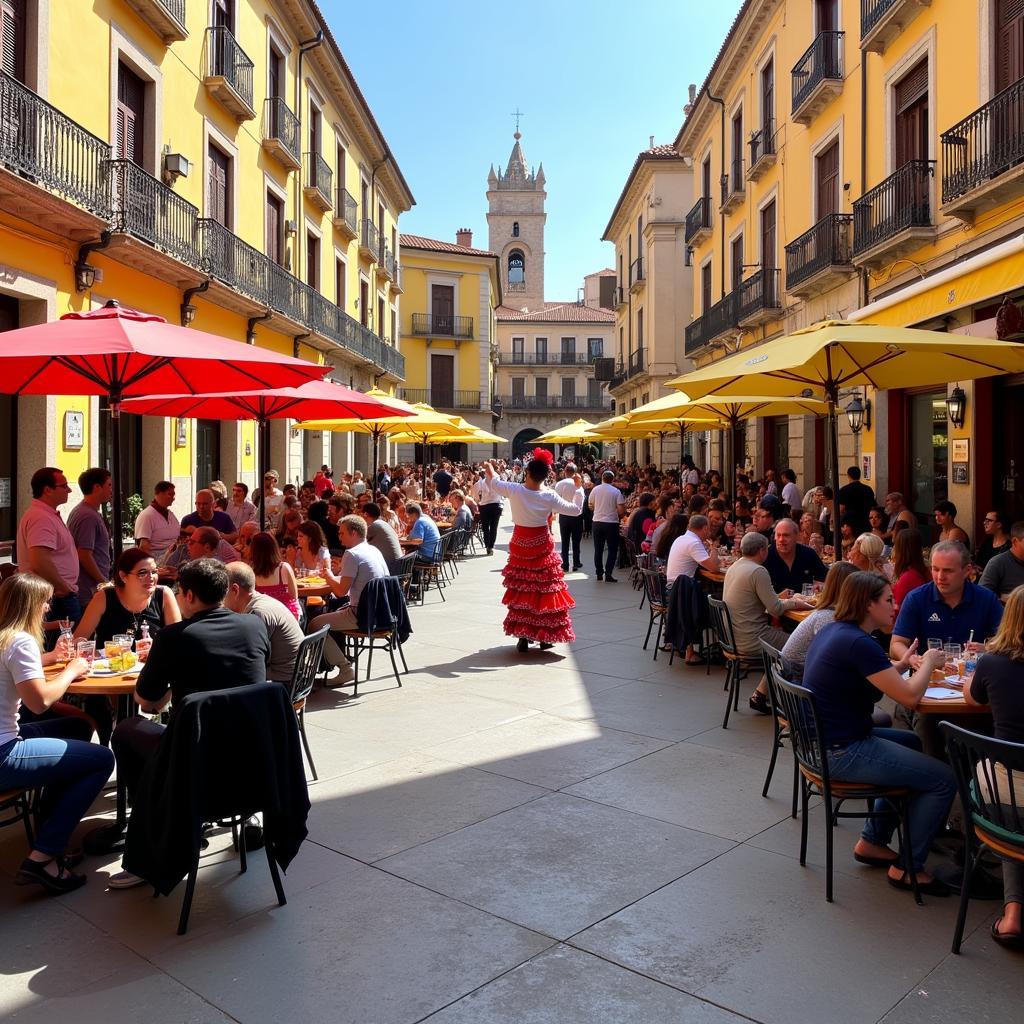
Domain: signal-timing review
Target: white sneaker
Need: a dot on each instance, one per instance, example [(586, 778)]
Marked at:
[(344, 674), (124, 880)]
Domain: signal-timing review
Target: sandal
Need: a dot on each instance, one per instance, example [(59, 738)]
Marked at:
[(33, 872), (936, 887), (1008, 940), (875, 862)]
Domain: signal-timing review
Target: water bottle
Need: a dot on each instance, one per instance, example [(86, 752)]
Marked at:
[(144, 642)]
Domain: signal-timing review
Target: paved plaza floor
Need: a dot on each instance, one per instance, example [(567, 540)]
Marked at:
[(566, 836)]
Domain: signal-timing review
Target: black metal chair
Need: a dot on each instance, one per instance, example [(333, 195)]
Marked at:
[(990, 779), (380, 636), (431, 570), (456, 538), (799, 708), (775, 664), (19, 805), (304, 672), (737, 665), (657, 606), (404, 570)]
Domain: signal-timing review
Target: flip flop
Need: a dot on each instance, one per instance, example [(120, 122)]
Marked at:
[(875, 862), (936, 887), (1008, 940)]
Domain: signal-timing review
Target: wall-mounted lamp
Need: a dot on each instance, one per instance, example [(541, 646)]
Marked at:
[(175, 166), (290, 228), (858, 412), (956, 406), (188, 314), (85, 277)]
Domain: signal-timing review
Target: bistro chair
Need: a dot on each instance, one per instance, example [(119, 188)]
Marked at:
[(737, 665), (380, 634), (453, 549), (304, 672), (404, 570), (643, 561), (799, 708), (657, 606), (990, 779), (431, 570), (19, 805), (775, 665)]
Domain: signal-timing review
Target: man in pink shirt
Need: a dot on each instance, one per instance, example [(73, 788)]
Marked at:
[(45, 544)]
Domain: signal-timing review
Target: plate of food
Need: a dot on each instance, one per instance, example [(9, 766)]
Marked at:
[(120, 664), (311, 581)]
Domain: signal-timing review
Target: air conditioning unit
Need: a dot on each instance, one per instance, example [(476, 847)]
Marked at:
[(604, 368)]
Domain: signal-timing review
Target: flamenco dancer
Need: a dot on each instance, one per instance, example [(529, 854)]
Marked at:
[(536, 596)]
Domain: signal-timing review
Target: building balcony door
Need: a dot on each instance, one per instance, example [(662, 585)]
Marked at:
[(928, 463), (442, 308), (207, 452), (442, 381)]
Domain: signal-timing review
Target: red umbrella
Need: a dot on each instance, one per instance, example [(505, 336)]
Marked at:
[(318, 400), (115, 352)]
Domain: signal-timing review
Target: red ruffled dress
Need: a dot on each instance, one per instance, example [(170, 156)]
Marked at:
[(536, 595)]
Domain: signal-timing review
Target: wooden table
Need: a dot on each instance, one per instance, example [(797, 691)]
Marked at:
[(313, 590), (953, 706), (797, 614), (714, 576)]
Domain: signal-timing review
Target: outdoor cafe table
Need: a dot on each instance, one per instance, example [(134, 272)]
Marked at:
[(312, 589)]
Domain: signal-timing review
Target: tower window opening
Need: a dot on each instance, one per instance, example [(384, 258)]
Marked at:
[(516, 267), (515, 229)]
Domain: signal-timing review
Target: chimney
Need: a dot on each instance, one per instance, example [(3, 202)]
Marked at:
[(651, 146), (693, 96), (464, 236)]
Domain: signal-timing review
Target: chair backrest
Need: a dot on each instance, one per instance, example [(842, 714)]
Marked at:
[(721, 622), (654, 587), (380, 604), (307, 662), (774, 666), (403, 569), (455, 538), (797, 705), (990, 778)]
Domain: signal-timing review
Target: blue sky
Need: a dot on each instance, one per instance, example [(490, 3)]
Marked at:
[(594, 79)]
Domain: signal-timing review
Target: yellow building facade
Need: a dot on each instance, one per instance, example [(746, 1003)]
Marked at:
[(212, 162), (863, 159), (449, 332)]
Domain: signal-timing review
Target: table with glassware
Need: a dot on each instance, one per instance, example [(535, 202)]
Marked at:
[(944, 695)]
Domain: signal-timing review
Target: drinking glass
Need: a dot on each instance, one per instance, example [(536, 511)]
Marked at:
[(953, 652), (807, 590), (86, 649), (934, 644), (65, 647)]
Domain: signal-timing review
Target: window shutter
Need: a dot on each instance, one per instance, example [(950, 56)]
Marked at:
[(128, 132), (1009, 43), (12, 38), (912, 87)]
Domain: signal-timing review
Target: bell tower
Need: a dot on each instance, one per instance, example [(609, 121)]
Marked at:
[(515, 221)]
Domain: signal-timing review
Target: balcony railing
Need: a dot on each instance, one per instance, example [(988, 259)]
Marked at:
[(872, 12), (827, 244), (513, 402), (733, 185), (720, 319), (636, 362), (386, 266), (699, 218), (442, 325), (49, 149), (900, 202), (442, 398), (281, 129), (228, 61), (762, 147), (822, 61), (621, 295), (369, 241), (318, 181), (636, 272), (346, 211), (165, 17), (547, 358), (984, 144), (760, 296), (145, 207)]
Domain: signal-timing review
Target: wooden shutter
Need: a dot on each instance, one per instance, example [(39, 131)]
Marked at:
[(912, 86), (705, 178), (828, 15), (737, 261), (827, 169), (767, 99), (12, 38), (1009, 43), (218, 186), (737, 153), (129, 126), (442, 381), (912, 115), (313, 261), (275, 74), (275, 229), (768, 237), (339, 282), (705, 288), (222, 14), (569, 390), (541, 387)]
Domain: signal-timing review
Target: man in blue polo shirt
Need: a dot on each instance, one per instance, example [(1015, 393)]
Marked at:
[(423, 533), (950, 608)]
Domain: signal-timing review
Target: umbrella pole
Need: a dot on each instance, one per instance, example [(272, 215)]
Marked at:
[(261, 462), (833, 450), (373, 468), (116, 517)]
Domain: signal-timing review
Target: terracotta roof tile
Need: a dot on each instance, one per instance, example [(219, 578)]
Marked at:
[(557, 312), (436, 245)]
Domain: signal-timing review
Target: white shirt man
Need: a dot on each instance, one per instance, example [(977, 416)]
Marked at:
[(606, 500), (157, 528), (240, 508), (608, 504), (791, 493), (688, 552)]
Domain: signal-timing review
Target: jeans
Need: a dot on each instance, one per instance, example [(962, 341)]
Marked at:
[(490, 514), (571, 530), (343, 619), (72, 770), (606, 535), (134, 741), (893, 757)]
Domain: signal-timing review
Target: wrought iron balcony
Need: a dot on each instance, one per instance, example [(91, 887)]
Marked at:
[(895, 216), (698, 221), (44, 147), (718, 321), (229, 73), (369, 240), (512, 403), (146, 208), (386, 264), (442, 325), (820, 257), (346, 214), (636, 274), (881, 21), (318, 182), (760, 298), (636, 362), (762, 150), (165, 17), (818, 76), (733, 186), (281, 132), (444, 398), (983, 155), (621, 296), (546, 358)]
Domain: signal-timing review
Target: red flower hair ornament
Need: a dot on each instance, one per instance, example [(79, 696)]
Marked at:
[(543, 455)]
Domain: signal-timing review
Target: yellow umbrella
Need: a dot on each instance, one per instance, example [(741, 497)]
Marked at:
[(835, 354), (486, 437), (577, 432)]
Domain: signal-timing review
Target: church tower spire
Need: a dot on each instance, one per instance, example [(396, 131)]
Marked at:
[(515, 220)]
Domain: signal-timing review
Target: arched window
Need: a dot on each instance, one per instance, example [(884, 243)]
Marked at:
[(516, 267), (515, 229)]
